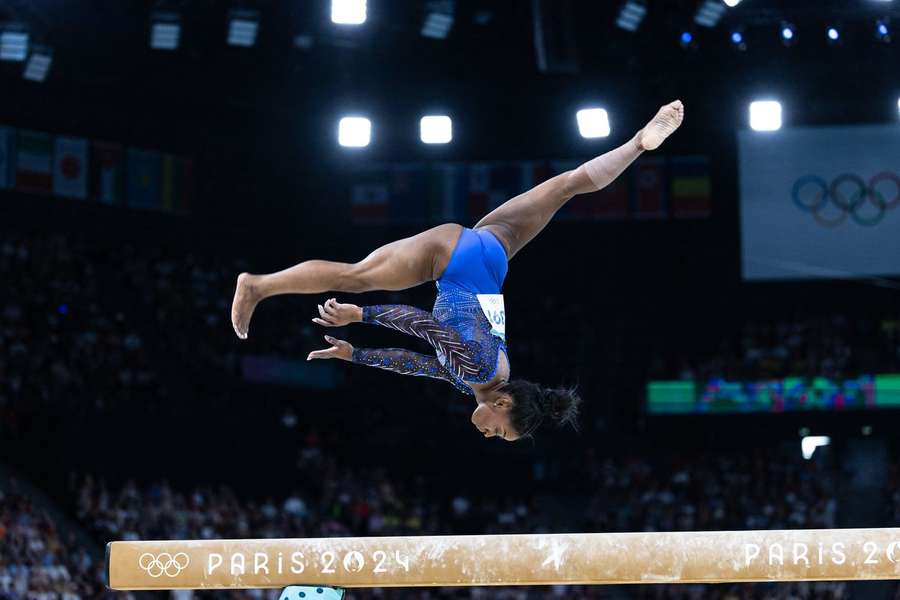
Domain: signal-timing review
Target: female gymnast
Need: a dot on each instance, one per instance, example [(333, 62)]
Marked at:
[(467, 325)]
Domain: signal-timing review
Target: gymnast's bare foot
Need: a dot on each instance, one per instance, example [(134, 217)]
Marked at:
[(246, 297), (664, 124)]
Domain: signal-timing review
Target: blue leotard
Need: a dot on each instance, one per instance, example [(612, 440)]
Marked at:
[(467, 351)]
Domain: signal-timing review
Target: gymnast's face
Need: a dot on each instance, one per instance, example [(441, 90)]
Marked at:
[(491, 417)]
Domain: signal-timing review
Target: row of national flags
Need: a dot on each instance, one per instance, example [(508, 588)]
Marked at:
[(655, 187), (35, 162)]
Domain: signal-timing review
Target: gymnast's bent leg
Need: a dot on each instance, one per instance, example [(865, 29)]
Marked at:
[(399, 265), (517, 221)]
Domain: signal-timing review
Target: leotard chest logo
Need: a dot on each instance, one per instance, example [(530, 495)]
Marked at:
[(492, 307)]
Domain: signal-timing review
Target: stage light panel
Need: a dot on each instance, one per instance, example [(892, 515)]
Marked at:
[(765, 115), (348, 12), (354, 132), (436, 129), (593, 123), (38, 65)]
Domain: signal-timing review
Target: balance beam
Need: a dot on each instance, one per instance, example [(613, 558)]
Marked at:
[(482, 560)]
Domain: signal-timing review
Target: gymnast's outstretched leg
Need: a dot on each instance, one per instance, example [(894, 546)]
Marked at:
[(399, 265), (412, 261), (517, 221)]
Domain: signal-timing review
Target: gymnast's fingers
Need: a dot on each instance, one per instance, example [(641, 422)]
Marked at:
[(323, 322), (323, 314), (327, 353), (336, 342)]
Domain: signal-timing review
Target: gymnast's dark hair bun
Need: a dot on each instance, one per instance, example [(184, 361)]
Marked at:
[(533, 405), (560, 405)]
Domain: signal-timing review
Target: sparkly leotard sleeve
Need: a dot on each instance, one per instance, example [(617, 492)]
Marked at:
[(406, 362), (458, 360)]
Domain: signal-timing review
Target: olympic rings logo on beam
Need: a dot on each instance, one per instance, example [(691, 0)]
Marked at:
[(164, 564), (865, 203)]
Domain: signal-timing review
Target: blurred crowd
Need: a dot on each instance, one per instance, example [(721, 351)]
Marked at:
[(335, 500), (746, 490), (765, 489), (84, 330), (95, 328), (834, 346), (61, 343), (36, 561)]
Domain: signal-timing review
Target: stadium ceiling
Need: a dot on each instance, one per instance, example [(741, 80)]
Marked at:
[(106, 40), (300, 59)]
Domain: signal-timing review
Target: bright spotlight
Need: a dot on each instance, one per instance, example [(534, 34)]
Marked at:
[(833, 34), (765, 115), (732, 3), (631, 15), (165, 32), (13, 44), (436, 129), (898, 105), (737, 38), (809, 444), (354, 132), (348, 12), (787, 33), (593, 122), (38, 64), (243, 26), (709, 13), (882, 31), (439, 19), (686, 38)]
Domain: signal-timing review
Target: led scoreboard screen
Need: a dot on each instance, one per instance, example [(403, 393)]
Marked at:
[(789, 394)]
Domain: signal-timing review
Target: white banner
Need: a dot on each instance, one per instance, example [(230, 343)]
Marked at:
[(820, 202), (70, 167)]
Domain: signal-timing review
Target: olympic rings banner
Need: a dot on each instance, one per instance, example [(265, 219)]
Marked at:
[(820, 202)]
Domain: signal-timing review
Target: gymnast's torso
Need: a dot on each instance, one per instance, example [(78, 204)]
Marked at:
[(467, 326), (484, 346)]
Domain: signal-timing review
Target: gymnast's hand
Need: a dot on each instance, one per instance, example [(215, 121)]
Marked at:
[(339, 349), (335, 314)]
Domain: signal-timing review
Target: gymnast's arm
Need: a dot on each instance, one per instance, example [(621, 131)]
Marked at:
[(411, 321), (406, 363), (390, 359)]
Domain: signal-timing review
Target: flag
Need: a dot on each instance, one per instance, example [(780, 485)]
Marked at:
[(107, 173), (7, 137), (526, 175), (70, 175), (690, 187), (143, 178), (176, 182), (406, 193), (572, 209), (461, 193), (441, 186), (610, 203), (505, 179), (369, 194), (34, 162), (650, 186), (479, 190)]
